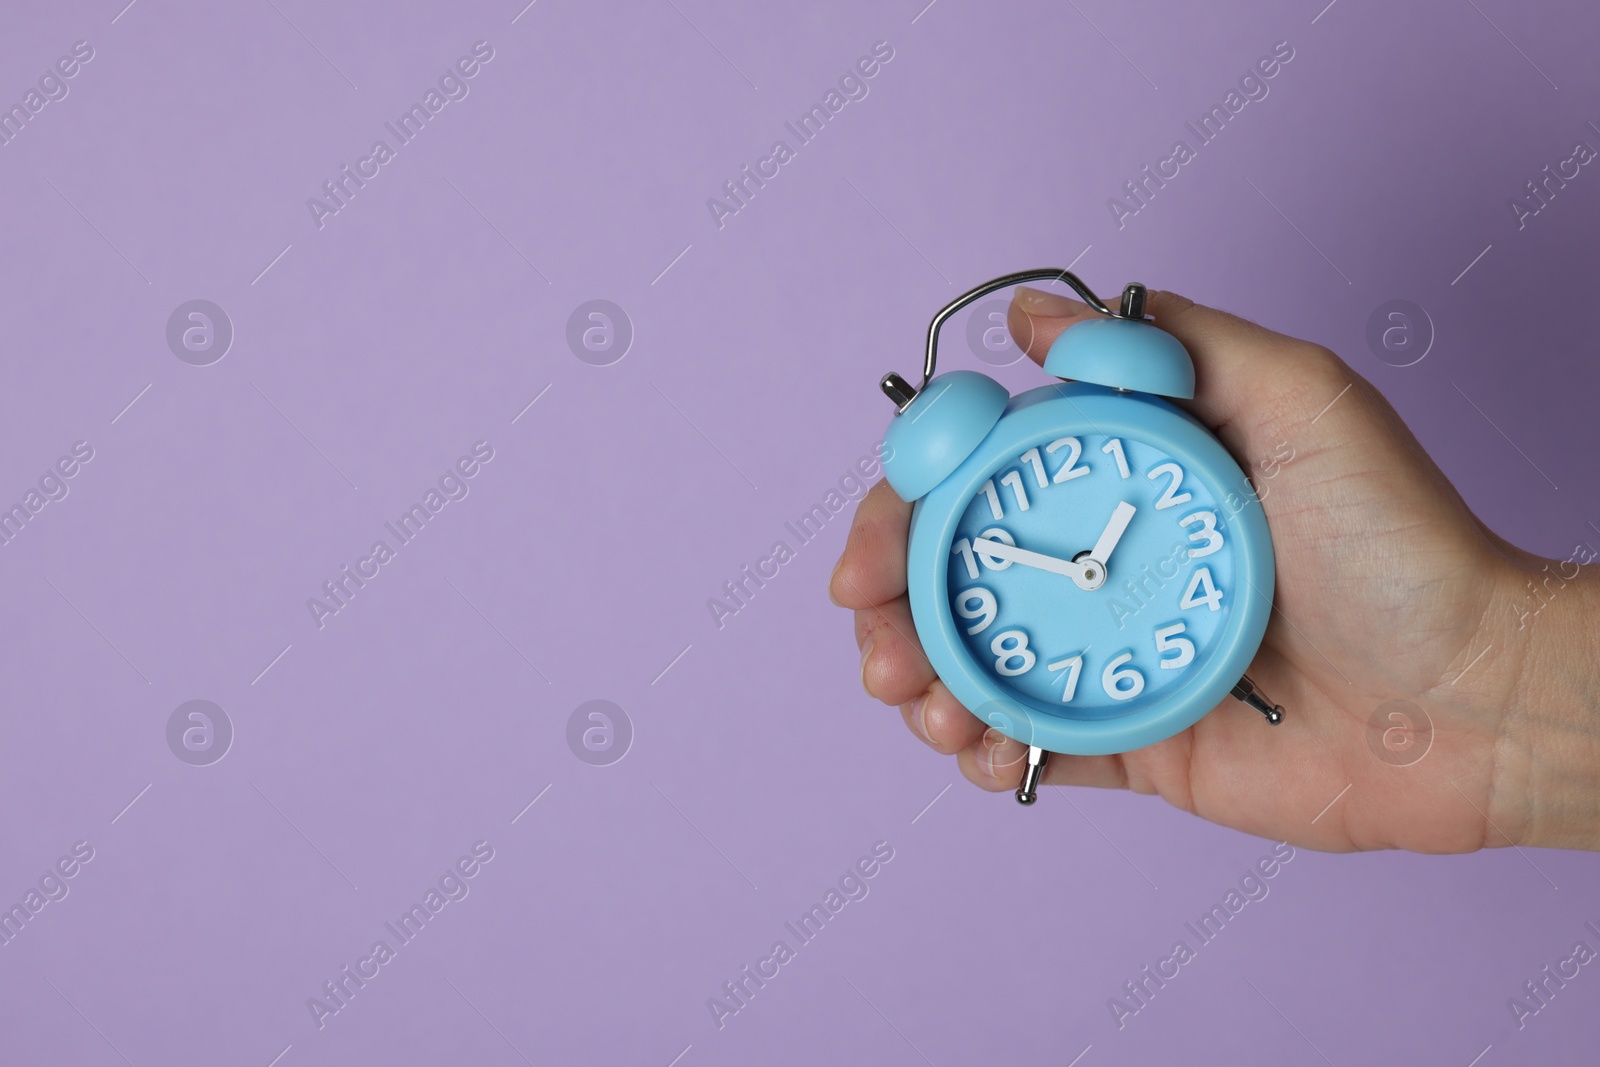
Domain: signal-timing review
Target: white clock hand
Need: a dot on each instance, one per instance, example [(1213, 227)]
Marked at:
[(1113, 532), (1086, 577)]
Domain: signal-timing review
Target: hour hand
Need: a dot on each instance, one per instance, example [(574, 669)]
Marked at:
[(1086, 576)]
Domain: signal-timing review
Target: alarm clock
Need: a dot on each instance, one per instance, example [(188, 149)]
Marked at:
[(1090, 572)]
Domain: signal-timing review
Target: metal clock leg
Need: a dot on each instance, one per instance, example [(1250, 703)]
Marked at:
[(1028, 791), (1251, 694)]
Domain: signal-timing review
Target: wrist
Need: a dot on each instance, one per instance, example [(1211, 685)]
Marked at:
[(1546, 760)]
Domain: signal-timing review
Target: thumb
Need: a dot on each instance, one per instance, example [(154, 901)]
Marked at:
[(1248, 379)]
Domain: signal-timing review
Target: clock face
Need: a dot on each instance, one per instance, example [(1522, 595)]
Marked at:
[(1091, 575)]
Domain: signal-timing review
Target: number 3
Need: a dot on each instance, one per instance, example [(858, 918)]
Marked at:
[(1207, 533)]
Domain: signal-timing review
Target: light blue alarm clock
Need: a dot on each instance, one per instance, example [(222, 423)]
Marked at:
[(1090, 571)]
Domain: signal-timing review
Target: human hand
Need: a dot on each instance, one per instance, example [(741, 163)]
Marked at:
[(1388, 589)]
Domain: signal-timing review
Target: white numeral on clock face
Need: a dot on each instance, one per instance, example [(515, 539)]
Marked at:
[(1201, 591), (1014, 480), (984, 613), (1009, 646), (994, 533), (1170, 497), (963, 548), (1167, 640), (1031, 457), (1207, 533), (1113, 448), (994, 500), (1112, 680), (1069, 470), (1072, 665)]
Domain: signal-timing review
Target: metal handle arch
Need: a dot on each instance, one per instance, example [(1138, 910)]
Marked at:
[(900, 391)]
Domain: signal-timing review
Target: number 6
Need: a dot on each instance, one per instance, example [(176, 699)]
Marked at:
[(1112, 678)]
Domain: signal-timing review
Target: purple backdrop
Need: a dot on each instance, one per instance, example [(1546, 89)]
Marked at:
[(363, 338)]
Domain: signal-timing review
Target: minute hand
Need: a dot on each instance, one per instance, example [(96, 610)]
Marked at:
[(1000, 550), (1113, 532)]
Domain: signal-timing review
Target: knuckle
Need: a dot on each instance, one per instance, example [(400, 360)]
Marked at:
[(1322, 360), (1313, 375), (1166, 306)]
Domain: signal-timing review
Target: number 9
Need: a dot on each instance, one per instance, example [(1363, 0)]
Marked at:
[(985, 612)]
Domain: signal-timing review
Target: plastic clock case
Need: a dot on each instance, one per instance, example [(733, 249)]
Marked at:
[(960, 428)]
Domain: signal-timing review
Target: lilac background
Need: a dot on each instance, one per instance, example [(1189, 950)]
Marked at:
[(430, 311)]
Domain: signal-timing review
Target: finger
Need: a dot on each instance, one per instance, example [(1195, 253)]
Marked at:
[(872, 569), (1246, 376), (939, 719), (893, 666), (994, 761), (1097, 772), (1036, 318)]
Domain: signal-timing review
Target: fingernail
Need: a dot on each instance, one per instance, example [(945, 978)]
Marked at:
[(866, 654), (998, 754), (992, 741), (831, 576), (1038, 302), (919, 709)]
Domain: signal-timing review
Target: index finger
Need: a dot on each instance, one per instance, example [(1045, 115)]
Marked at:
[(872, 570)]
